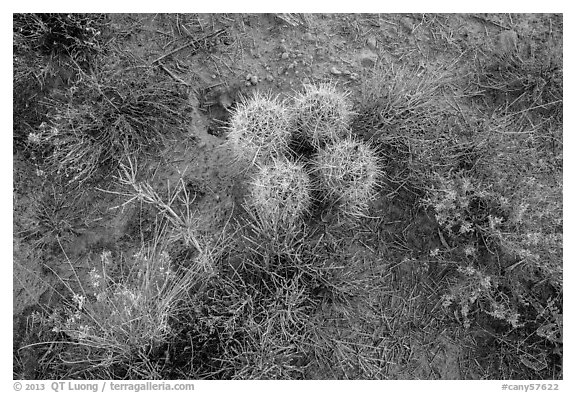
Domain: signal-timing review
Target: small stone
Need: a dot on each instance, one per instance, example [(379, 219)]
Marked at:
[(280, 70), (306, 81), (213, 76), (335, 71), (371, 42), (508, 41), (291, 66), (254, 80), (309, 36), (247, 84), (270, 78), (293, 55), (285, 55), (225, 100), (202, 145), (248, 77), (283, 48), (368, 58), (354, 76)]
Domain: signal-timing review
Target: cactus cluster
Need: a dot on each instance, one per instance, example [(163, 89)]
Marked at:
[(345, 171)]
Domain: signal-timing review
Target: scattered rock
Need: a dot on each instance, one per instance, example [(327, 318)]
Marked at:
[(270, 78), (281, 70), (285, 55), (371, 42), (508, 41), (335, 71), (225, 100), (354, 76), (283, 48), (247, 84), (248, 77), (254, 80), (291, 66), (306, 80), (368, 58)]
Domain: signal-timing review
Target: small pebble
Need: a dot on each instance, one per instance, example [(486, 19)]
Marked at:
[(371, 42), (247, 84), (309, 36), (335, 71), (368, 58), (213, 76), (306, 80), (508, 40), (254, 80), (270, 78), (248, 77), (281, 70), (285, 55)]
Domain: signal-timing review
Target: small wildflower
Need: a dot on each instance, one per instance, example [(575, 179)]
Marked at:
[(469, 250), (468, 270), (105, 257), (79, 300), (486, 282), (34, 138), (494, 221), (447, 300), (425, 266), (94, 278), (467, 185), (83, 331), (466, 227)]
